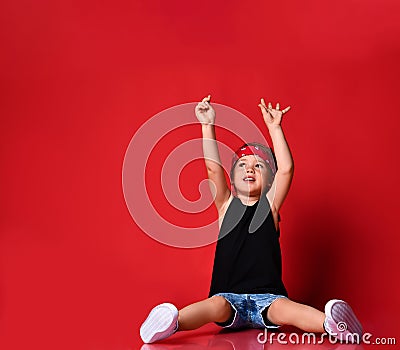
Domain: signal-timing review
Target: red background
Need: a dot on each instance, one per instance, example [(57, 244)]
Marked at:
[(79, 78)]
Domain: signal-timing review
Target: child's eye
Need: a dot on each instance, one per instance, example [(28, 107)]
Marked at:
[(241, 164), (259, 165)]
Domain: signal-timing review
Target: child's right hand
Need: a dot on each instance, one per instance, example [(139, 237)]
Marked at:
[(272, 117), (204, 111)]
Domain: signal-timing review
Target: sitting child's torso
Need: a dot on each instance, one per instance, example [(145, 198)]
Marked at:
[(225, 206), (247, 256)]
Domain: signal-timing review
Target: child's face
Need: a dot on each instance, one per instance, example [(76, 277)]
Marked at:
[(251, 175)]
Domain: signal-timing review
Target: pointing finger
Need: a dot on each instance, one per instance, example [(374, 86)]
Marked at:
[(263, 103), (286, 110), (206, 99)]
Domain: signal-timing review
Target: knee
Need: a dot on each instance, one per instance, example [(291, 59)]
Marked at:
[(276, 312), (222, 310)]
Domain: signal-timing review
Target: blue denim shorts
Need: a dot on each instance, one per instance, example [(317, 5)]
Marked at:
[(248, 310)]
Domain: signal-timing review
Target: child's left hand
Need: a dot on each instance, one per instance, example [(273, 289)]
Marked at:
[(272, 117)]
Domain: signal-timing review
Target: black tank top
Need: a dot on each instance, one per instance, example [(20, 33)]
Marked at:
[(248, 255)]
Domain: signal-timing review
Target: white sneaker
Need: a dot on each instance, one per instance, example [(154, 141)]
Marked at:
[(160, 324), (341, 322)]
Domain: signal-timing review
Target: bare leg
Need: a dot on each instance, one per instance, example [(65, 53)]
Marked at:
[(287, 312), (214, 309)]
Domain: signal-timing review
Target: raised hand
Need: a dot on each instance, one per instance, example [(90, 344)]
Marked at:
[(204, 111), (272, 117)]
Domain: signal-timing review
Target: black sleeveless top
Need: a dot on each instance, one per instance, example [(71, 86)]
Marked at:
[(248, 255)]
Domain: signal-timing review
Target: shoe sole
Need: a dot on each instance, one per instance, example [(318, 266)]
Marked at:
[(160, 323), (343, 315)]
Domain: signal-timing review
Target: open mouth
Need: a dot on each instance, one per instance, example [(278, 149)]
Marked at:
[(249, 179)]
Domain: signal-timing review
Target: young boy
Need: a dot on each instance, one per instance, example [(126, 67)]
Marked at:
[(246, 288)]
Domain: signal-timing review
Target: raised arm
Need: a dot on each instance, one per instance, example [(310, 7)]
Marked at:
[(205, 113), (284, 174)]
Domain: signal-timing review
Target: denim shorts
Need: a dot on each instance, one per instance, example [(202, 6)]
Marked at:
[(248, 310)]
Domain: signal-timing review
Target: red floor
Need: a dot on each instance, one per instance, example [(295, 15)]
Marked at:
[(213, 338)]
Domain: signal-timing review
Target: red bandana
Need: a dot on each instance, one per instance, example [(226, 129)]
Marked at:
[(250, 150)]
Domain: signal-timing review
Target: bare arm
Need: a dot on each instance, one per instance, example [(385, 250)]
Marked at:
[(217, 181), (284, 174)]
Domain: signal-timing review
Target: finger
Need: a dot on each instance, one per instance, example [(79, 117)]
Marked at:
[(206, 99), (202, 105), (269, 105), (263, 108), (277, 106), (263, 103), (286, 110), (265, 112)]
